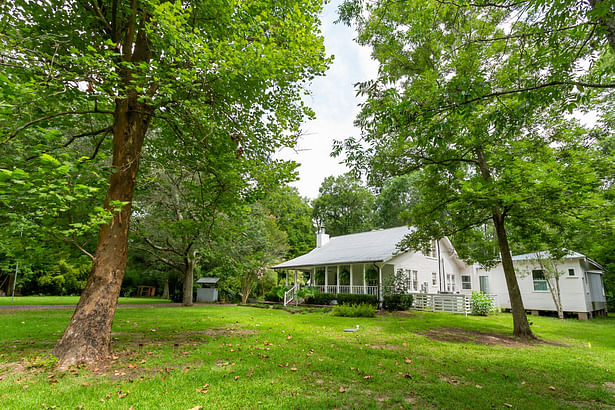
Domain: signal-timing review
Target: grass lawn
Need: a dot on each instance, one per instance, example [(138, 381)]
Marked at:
[(72, 300), (243, 357)]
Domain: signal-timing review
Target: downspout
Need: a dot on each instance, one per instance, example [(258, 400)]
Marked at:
[(439, 267)]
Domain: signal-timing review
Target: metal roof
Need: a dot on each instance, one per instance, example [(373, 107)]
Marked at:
[(208, 281), (372, 246), (547, 255)]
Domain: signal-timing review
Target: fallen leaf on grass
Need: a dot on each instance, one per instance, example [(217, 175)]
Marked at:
[(408, 361), (196, 408), (508, 405), (294, 369), (122, 395), (367, 377), (478, 386), (25, 386), (236, 378), (552, 388), (342, 390)]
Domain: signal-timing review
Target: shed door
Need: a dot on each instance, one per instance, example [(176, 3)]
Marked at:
[(595, 287)]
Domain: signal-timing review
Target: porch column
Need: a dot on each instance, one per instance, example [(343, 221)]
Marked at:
[(286, 274), (313, 276), (351, 290), (380, 296), (326, 279), (295, 295), (337, 280), (364, 284)]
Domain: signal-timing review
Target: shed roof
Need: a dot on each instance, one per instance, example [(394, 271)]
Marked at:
[(372, 246), (208, 281)]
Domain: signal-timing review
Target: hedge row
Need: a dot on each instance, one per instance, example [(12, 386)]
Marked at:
[(342, 298), (352, 299), (397, 302)]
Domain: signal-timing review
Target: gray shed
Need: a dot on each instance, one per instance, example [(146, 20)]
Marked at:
[(209, 290)]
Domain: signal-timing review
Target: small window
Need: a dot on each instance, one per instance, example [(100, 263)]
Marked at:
[(540, 283), (434, 278), (571, 272), (448, 282), (466, 282)]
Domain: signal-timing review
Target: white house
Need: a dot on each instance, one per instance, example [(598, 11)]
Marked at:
[(580, 281), (439, 280), (360, 263)]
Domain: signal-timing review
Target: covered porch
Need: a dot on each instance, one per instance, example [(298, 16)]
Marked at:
[(354, 278)]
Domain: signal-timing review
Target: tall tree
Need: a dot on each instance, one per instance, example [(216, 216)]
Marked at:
[(209, 70), (467, 92), (395, 201), (294, 216), (343, 205)]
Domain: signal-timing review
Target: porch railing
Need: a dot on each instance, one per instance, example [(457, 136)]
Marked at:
[(436, 302), (357, 290), (291, 294)]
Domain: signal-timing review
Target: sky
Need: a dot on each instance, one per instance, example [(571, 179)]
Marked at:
[(334, 102)]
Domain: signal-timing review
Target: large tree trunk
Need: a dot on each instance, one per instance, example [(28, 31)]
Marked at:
[(165, 292), (521, 325), (188, 281), (87, 338)]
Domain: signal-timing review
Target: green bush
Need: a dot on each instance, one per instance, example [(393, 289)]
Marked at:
[(276, 294), (351, 299), (360, 310), (481, 304), (177, 296), (320, 299), (397, 301)]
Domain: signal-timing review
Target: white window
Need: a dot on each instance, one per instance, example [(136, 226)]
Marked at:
[(448, 282), (540, 283), (570, 272), (434, 278), (414, 275), (466, 282)]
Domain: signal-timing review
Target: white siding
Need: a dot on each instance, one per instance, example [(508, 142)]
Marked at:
[(575, 293)]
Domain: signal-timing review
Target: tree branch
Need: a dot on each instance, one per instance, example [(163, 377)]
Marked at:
[(522, 90), (50, 116)]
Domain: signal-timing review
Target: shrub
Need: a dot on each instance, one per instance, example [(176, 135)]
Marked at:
[(481, 304), (397, 301), (177, 296), (320, 299), (360, 310), (351, 299), (276, 294)]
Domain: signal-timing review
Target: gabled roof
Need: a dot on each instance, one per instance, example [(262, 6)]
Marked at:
[(372, 246)]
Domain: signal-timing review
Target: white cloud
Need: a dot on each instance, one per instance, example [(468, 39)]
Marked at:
[(334, 102)]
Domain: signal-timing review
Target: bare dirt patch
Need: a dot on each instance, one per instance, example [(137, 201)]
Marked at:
[(386, 347), (609, 386), (469, 336)]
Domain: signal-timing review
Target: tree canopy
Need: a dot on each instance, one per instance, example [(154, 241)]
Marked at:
[(475, 95), (110, 73)]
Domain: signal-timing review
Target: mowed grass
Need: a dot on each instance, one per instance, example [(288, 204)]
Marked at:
[(242, 357), (72, 300)]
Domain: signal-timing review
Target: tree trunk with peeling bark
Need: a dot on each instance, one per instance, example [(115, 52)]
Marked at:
[(87, 338)]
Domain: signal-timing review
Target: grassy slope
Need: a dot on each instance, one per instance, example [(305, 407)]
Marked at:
[(270, 351), (72, 300)]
